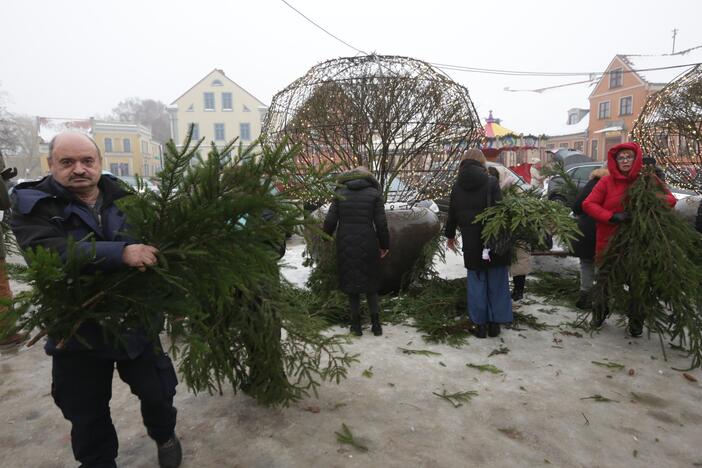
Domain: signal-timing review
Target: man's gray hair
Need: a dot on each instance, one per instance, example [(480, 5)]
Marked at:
[(53, 142)]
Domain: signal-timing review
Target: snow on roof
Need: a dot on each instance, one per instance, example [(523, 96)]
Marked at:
[(569, 129), (643, 63), (50, 127)]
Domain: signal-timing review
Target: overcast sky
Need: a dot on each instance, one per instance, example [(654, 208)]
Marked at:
[(66, 58)]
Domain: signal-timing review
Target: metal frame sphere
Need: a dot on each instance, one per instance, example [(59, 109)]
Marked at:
[(669, 128), (398, 116)]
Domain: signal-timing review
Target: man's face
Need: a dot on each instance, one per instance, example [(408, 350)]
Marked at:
[(625, 160), (75, 163)]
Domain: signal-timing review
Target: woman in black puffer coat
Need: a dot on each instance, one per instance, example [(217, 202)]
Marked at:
[(584, 247), (362, 239), (489, 301)]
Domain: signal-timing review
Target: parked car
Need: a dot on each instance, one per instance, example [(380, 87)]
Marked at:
[(443, 203), (398, 193), (579, 174), (132, 181)]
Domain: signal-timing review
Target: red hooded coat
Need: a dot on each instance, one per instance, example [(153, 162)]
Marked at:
[(607, 196)]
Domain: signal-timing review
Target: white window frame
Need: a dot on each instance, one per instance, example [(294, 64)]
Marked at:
[(231, 101), (616, 72), (248, 131), (609, 110), (631, 109), (224, 135), (204, 101)]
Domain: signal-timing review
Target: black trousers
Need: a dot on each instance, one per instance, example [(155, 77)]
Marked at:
[(82, 389), (373, 303)]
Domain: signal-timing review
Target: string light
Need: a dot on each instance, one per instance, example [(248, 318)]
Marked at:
[(669, 129), (399, 116)]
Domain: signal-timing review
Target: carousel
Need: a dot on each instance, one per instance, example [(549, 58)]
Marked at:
[(515, 150)]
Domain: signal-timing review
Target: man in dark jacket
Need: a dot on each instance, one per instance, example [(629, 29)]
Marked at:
[(489, 302), (362, 239), (75, 201)]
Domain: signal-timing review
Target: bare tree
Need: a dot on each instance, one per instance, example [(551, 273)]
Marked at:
[(398, 116), (147, 112), (19, 143)]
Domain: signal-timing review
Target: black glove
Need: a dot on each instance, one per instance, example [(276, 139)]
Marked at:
[(8, 173), (618, 218)]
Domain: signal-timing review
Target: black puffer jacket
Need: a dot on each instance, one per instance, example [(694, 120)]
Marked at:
[(584, 247), (468, 198), (362, 231)]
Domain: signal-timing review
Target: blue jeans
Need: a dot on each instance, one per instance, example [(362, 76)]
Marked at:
[(488, 295)]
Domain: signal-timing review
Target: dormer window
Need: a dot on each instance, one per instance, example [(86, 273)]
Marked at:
[(615, 78), (217, 83), (572, 118)]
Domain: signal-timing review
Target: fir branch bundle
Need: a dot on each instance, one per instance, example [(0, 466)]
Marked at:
[(653, 264), (567, 187), (218, 223), (528, 220)]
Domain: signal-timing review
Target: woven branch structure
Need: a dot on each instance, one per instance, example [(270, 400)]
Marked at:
[(403, 119), (669, 128)]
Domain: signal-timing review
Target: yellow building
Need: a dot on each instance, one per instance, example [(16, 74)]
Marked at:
[(220, 109), (127, 148)]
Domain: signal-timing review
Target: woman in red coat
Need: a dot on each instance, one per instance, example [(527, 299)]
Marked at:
[(605, 206)]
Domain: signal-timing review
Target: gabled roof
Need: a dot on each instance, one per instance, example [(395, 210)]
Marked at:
[(569, 129), (655, 70), (662, 69), (221, 73)]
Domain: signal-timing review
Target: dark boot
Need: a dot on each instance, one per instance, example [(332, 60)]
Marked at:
[(170, 454), (493, 329), (479, 331), (584, 302), (635, 328), (375, 327), (356, 324), (518, 291)]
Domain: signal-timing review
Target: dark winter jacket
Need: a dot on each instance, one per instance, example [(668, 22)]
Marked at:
[(584, 246), (607, 197), (357, 214), (469, 196), (45, 213)]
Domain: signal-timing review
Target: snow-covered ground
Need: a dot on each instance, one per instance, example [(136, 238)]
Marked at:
[(539, 411)]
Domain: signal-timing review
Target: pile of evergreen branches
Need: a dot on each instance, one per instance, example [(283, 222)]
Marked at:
[(218, 224), (654, 264), (528, 220)]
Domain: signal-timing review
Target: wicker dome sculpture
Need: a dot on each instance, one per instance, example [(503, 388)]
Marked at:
[(669, 129), (400, 117)]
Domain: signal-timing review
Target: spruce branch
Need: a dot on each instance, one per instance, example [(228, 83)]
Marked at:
[(486, 368), (458, 398), (347, 437)]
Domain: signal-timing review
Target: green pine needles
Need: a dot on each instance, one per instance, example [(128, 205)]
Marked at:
[(528, 220), (653, 267), (218, 224)]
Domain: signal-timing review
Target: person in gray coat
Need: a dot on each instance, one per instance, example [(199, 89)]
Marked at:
[(357, 214)]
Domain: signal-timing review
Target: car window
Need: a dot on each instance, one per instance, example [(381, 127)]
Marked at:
[(397, 185), (582, 173)]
